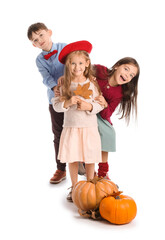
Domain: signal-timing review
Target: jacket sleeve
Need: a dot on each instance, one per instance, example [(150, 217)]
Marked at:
[(48, 80), (58, 106), (107, 112)]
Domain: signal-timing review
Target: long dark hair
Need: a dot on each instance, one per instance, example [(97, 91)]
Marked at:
[(128, 103)]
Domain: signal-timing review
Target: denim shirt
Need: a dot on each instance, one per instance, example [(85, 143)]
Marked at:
[(50, 69)]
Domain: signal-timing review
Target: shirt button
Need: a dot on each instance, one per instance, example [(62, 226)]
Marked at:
[(108, 86)]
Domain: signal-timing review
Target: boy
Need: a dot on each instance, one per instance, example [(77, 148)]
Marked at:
[(51, 69)]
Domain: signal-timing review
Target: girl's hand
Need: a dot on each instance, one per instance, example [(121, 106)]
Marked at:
[(72, 101), (92, 78), (101, 100), (84, 106)]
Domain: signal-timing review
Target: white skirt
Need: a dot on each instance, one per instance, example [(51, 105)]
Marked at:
[(80, 145)]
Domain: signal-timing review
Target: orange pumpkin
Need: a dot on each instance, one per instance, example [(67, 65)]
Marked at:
[(87, 195), (118, 210)]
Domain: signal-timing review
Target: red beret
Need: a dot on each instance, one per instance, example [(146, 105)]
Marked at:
[(75, 46)]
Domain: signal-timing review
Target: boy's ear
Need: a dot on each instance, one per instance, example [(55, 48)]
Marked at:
[(50, 32)]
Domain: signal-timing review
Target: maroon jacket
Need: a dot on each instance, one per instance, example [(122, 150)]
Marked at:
[(112, 95)]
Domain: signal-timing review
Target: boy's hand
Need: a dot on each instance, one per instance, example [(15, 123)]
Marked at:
[(56, 91), (60, 81)]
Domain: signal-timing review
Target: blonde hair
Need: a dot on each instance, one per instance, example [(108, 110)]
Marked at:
[(68, 77)]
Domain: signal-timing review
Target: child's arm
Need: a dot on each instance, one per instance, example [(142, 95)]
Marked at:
[(58, 105), (72, 101), (48, 80), (56, 88), (101, 100), (63, 106), (107, 112), (91, 107), (84, 106)]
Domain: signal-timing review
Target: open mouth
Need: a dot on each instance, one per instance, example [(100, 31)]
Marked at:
[(123, 78)]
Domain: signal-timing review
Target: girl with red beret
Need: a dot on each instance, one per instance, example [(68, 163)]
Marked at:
[(80, 140), (119, 86)]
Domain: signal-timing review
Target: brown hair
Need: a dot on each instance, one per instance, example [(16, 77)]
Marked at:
[(88, 73), (128, 103), (34, 28)]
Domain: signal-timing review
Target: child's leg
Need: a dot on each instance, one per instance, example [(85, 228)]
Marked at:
[(73, 169), (81, 168), (57, 122), (103, 166), (104, 156), (90, 168)]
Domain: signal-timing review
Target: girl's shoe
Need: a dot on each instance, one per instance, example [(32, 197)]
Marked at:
[(69, 197)]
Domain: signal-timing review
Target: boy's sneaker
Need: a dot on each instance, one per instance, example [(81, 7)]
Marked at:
[(58, 176)]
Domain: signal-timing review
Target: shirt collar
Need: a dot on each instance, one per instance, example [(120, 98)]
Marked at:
[(54, 47)]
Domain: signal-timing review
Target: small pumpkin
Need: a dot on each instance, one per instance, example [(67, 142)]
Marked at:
[(87, 195), (120, 209)]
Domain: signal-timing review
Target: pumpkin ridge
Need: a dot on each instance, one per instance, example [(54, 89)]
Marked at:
[(118, 211), (87, 195), (88, 191), (90, 198), (81, 204), (77, 189)]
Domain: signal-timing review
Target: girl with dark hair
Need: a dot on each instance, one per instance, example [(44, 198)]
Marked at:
[(119, 87)]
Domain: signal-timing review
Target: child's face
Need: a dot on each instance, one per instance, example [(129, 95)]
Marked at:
[(124, 73), (42, 39), (77, 65)]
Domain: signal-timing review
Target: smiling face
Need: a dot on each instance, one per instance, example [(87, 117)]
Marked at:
[(77, 65), (42, 39), (123, 74)]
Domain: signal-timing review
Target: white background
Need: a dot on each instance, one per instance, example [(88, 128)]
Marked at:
[(31, 208)]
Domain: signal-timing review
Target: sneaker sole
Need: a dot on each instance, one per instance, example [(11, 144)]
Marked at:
[(58, 181)]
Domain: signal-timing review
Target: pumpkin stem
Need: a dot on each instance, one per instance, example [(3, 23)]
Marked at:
[(116, 194), (117, 197), (95, 179)]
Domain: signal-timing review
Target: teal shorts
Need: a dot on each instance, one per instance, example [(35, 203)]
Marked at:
[(107, 134)]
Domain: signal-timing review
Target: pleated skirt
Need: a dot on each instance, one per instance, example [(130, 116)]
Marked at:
[(80, 145)]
